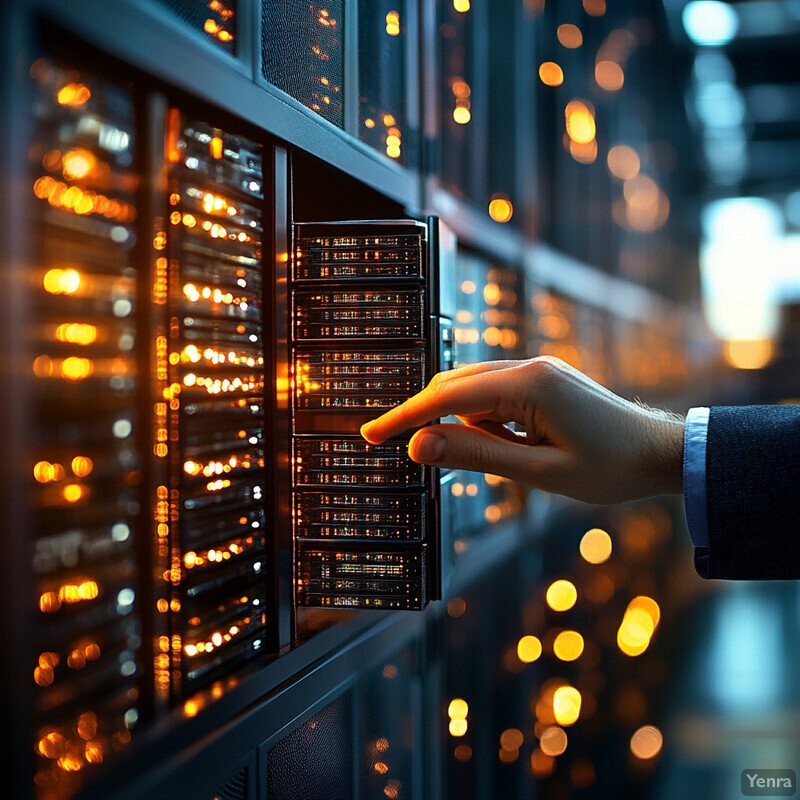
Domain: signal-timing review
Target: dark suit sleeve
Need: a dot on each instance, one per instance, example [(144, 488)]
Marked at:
[(752, 494)]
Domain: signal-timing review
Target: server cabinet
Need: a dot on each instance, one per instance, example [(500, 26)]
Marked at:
[(146, 348), (151, 442)]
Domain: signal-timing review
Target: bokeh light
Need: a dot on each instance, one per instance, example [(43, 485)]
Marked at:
[(748, 353), (594, 8), (595, 546), (566, 705), (561, 595), (553, 741), (646, 742), (529, 648), (580, 122), (609, 75), (551, 74), (623, 162), (511, 739), (569, 36), (542, 764), (458, 708), (500, 209), (568, 645)]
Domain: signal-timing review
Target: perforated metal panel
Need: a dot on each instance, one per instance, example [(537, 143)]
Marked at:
[(316, 759), (302, 53), (459, 88), (215, 20), (235, 789), (388, 727)]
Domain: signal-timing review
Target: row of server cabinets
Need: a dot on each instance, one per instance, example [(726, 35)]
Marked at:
[(200, 315)]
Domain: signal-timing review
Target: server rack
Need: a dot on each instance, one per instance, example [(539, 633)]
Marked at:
[(180, 283)]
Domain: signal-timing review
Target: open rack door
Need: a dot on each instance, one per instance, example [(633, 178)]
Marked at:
[(365, 334)]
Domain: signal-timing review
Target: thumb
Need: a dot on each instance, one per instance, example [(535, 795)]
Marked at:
[(472, 448)]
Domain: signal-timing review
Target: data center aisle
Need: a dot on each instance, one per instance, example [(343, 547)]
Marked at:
[(735, 699)]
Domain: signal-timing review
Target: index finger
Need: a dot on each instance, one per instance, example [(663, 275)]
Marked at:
[(479, 394)]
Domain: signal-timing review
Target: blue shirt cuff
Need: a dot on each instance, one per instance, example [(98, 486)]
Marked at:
[(694, 474)]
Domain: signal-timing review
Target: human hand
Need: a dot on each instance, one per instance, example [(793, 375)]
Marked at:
[(580, 440)]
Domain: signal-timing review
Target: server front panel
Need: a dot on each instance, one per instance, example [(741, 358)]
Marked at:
[(365, 520), (209, 403)]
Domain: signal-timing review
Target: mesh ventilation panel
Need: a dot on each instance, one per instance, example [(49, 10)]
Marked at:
[(215, 20), (302, 53), (316, 759), (234, 789)]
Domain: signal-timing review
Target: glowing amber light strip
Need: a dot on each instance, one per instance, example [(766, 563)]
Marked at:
[(173, 152), (72, 368), (82, 201), (68, 593), (45, 472), (61, 281), (76, 333)]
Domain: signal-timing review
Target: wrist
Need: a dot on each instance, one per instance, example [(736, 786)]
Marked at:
[(666, 454), (661, 455)]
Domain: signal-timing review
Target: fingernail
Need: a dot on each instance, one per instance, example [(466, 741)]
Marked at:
[(429, 448)]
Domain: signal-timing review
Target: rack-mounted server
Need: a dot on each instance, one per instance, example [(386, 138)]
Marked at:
[(209, 403), (86, 440), (148, 424), (366, 336)]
